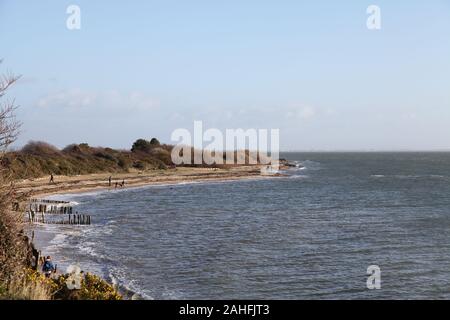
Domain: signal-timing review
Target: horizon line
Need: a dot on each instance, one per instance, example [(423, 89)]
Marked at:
[(364, 151)]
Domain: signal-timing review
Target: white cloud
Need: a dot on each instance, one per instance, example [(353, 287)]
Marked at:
[(301, 112), (77, 100)]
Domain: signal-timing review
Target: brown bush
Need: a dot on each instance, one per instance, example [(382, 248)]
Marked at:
[(40, 148)]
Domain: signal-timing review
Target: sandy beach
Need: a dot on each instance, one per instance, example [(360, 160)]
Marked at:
[(95, 182)]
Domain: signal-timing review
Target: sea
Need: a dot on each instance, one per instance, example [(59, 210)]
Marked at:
[(318, 232)]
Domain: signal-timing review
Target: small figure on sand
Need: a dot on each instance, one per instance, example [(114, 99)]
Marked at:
[(52, 179), (48, 268), (123, 183), (109, 180)]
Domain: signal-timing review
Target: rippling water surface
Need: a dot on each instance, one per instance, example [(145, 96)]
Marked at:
[(310, 235)]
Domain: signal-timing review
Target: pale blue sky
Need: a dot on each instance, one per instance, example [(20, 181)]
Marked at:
[(312, 69)]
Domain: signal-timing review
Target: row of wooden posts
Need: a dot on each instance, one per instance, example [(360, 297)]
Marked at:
[(36, 207), (55, 212), (73, 219), (49, 201)]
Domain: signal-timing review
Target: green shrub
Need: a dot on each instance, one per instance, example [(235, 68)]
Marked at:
[(154, 142), (141, 145), (92, 288)]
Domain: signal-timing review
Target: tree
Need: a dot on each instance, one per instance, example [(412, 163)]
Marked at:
[(145, 145), (12, 248), (154, 142), (9, 127), (142, 145)]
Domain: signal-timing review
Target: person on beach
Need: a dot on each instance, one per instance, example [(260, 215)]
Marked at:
[(52, 180), (48, 268), (109, 180), (123, 183)]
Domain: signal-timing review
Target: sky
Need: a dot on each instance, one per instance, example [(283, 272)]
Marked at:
[(141, 69)]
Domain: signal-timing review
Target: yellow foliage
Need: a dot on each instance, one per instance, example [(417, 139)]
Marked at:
[(92, 288)]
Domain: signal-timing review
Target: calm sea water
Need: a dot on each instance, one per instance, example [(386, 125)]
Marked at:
[(310, 235)]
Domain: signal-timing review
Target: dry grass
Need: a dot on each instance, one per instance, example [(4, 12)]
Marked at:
[(25, 289), (38, 159)]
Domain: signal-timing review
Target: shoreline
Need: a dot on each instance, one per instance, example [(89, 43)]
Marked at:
[(48, 238), (99, 182), (44, 238)]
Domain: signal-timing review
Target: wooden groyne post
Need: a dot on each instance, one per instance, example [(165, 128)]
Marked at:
[(45, 211)]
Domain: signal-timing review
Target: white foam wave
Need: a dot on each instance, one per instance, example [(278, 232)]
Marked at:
[(120, 277), (60, 238), (88, 248), (308, 165), (298, 177)]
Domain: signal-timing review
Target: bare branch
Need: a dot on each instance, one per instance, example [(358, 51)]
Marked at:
[(12, 246), (6, 81), (9, 126)]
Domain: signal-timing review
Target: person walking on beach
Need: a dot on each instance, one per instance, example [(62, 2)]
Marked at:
[(48, 268), (109, 180), (52, 180), (123, 183)]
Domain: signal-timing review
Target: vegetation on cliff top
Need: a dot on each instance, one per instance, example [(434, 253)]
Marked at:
[(37, 159)]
